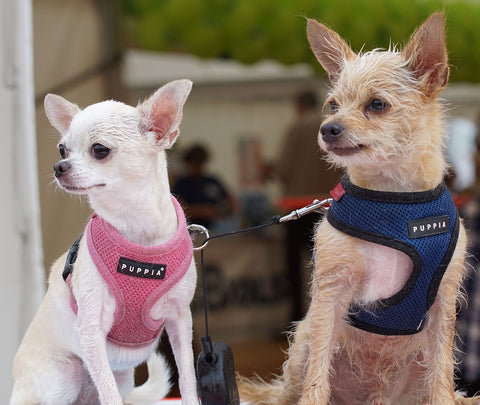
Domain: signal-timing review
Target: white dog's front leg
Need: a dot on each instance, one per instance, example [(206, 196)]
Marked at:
[(96, 308), (93, 341), (179, 332)]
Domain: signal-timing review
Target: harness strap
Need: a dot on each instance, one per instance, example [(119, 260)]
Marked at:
[(424, 225), (71, 259)]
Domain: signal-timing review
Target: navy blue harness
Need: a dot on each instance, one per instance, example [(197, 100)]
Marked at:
[(424, 225)]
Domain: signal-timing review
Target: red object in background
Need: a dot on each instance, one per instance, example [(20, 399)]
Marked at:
[(461, 199), (296, 202)]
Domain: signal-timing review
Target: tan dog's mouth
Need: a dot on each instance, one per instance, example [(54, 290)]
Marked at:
[(347, 151)]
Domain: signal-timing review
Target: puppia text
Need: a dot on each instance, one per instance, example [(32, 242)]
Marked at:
[(428, 226), (141, 269)]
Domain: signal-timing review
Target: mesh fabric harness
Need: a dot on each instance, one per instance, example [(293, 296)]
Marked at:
[(424, 225), (137, 276)]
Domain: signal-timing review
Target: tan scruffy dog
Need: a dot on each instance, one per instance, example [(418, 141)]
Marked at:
[(389, 257)]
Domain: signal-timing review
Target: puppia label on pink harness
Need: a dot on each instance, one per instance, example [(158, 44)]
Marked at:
[(141, 269)]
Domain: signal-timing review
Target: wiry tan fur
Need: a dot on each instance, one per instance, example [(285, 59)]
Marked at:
[(399, 148)]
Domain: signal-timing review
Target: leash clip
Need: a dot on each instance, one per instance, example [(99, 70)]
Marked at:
[(315, 206), (196, 231)]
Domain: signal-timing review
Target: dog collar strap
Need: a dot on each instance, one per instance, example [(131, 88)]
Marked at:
[(424, 225), (138, 276)]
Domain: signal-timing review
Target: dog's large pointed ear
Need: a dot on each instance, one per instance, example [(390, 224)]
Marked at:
[(427, 55), (60, 112), (329, 48), (162, 112)]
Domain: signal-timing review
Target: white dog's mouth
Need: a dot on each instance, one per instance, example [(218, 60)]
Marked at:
[(80, 190)]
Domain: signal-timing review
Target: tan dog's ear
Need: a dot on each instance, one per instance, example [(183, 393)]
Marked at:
[(60, 112), (329, 48), (162, 112), (427, 56)]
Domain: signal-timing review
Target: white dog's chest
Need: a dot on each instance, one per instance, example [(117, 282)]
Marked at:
[(137, 277)]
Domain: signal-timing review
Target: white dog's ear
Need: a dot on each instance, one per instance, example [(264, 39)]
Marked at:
[(162, 112), (329, 48), (60, 112)]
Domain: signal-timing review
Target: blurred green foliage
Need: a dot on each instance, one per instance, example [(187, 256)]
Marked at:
[(250, 30)]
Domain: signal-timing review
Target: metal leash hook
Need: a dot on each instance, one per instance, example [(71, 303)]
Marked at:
[(315, 206), (195, 231)]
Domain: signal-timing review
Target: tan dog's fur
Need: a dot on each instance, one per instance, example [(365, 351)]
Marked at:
[(398, 147)]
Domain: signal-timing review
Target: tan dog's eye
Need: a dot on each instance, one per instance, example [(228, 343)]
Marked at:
[(334, 107), (377, 105)]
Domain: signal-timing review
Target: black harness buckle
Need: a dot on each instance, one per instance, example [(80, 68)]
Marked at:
[(71, 258)]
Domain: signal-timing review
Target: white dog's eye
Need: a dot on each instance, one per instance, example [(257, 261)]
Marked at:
[(63, 151), (100, 151)]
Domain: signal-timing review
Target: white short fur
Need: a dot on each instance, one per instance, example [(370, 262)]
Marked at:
[(65, 358)]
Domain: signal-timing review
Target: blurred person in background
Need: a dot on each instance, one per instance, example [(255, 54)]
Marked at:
[(462, 150), (203, 196), (305, 175), (468, 319)]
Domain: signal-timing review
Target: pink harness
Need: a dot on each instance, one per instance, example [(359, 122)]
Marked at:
[(137, 276)]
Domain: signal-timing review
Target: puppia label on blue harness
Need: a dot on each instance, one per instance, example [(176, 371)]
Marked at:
[(141, 269), (428, 226)]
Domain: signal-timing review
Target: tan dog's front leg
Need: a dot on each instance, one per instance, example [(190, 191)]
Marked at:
[(441, 327), (440, 359), (294, 366), (331, 299)]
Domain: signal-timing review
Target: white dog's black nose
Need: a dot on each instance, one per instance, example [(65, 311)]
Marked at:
[(331, 132), (60, 168)]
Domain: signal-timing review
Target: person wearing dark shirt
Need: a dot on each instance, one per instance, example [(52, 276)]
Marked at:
[(203, 197)]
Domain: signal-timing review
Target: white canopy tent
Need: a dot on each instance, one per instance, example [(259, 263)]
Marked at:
[(22, 274)]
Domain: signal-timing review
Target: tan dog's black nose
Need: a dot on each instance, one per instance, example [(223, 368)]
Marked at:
[(60, 168), (331, 132)]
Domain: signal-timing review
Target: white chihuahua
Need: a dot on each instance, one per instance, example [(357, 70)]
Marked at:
[(134, 274)]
